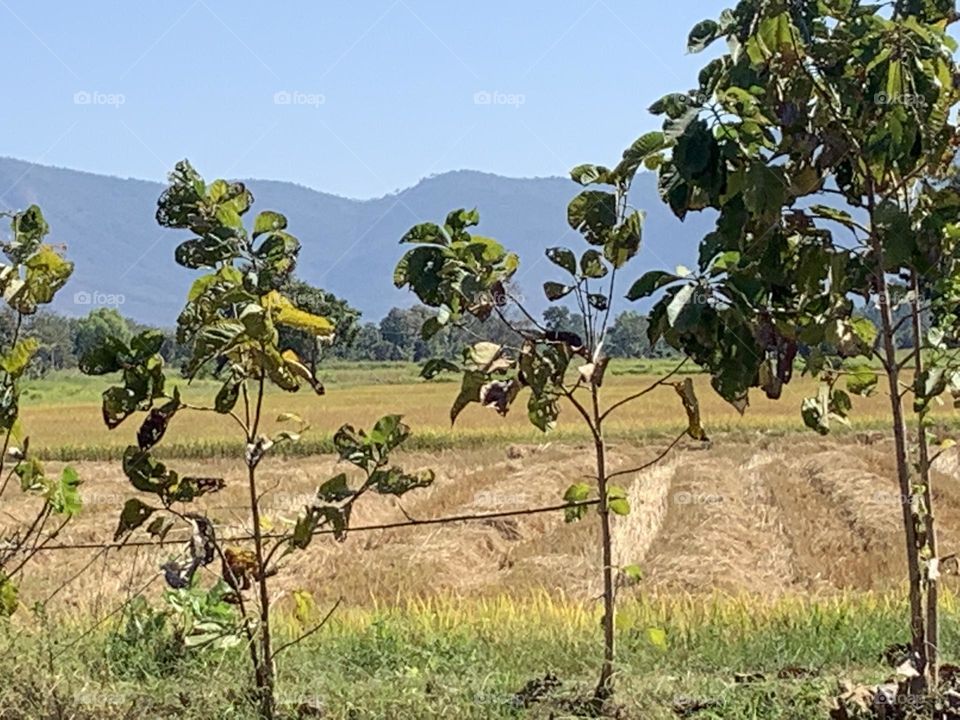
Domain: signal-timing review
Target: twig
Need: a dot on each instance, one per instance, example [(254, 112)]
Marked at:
[(311, 631), (647, 466), (643, 392)]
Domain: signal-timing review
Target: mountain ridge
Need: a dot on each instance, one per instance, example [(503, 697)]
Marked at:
[(350, 246)]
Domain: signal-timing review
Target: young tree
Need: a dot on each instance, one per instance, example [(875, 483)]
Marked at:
[(824, 138), (33, 273), (465, 276), (231, 322)]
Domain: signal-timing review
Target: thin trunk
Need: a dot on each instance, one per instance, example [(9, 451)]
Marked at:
[(605, 685), (264, 671), (917, 623), (933, 614)]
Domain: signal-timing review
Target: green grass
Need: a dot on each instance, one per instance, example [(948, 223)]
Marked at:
[(70, 387), (451, 659)]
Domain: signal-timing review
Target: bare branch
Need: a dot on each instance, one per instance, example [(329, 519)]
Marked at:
[(655, 461), (311, 631), (645, 391)]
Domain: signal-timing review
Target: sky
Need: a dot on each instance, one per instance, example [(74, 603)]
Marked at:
[(358, 99)]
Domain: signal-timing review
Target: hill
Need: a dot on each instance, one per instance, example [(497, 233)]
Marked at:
[(349, 246)]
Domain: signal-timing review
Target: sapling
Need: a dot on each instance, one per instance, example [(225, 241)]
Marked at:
[(463, 274), (232, 323)]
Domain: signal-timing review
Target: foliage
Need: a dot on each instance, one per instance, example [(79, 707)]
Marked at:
[(93, 330), (232, 323), (32, 274), (466, 278), (823, 138)]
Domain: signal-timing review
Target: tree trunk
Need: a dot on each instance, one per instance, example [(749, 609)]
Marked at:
[(264, 671), (605, 685), (933, 611), (917, 620)]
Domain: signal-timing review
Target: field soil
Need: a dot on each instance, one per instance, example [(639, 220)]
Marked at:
[(773, 516)]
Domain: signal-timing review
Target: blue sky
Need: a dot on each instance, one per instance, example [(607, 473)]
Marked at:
[(358, 99)]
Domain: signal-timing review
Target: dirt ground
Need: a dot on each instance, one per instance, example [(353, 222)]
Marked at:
[(794, 514)]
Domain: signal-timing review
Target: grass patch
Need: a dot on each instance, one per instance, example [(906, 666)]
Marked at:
[(468, 659)]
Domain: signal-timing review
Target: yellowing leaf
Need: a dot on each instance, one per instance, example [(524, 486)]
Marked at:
[(15, 360), (657, 637), (690, 403), (286, 313), (299, 370)]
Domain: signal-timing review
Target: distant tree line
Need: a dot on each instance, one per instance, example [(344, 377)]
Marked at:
[(396, 337)]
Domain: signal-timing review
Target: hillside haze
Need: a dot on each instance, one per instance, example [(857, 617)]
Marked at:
[(350, 247)]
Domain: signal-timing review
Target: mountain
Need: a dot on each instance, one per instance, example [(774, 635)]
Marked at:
[(350, 247)]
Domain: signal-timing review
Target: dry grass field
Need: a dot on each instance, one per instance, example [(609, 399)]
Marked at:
[(65, 422), (768, 552), (771, 517)]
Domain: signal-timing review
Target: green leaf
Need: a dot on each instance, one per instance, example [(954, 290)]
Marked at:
[(633, 574), (395, 481), (619, 506), (426, 233), (206, 252), (643, 147), (564, 258), (543, 410), (470, 388), (649, 283), (388, 433), (435, 366), (624, 242), (556, 291), (679, 304), (598, 301), (861, 380), (816, 414), (592, 265), (9, 596), (460, 220), (590, 175), (228, 394), (135, 513), (594, 214), (617, 501), (834, 215), (268, 221), (576, 493), (335, 490), (63, 494), (764, 190), (777, 34), (46, 273), (702, 35)]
